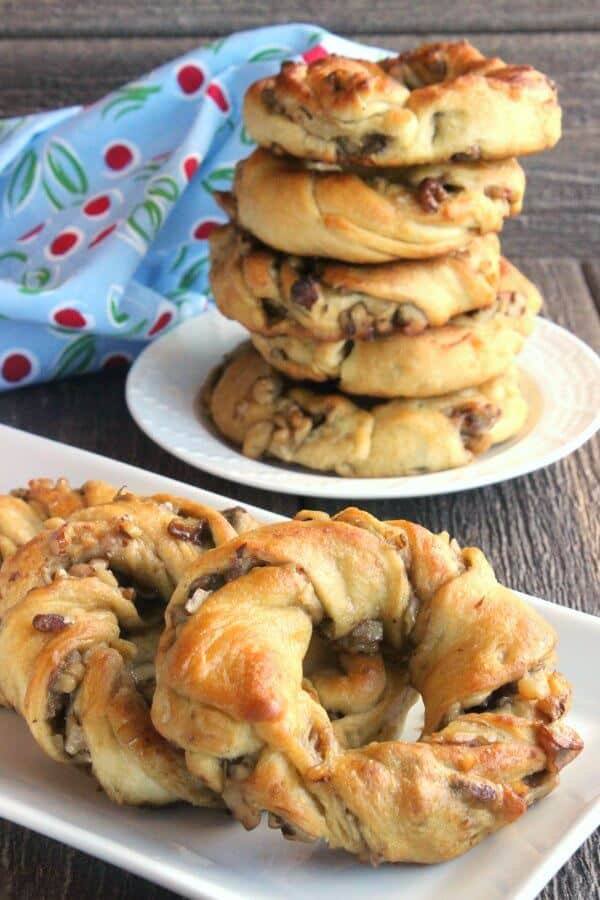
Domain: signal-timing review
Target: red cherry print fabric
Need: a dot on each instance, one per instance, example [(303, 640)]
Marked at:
[(106, 210)]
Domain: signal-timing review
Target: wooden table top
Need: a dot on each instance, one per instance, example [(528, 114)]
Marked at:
[(541, 531)]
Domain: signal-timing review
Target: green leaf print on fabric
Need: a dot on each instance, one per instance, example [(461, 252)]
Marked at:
[(145, 220), (65, 168), (76, 357), (22, 183), (269, 53), (129, 99), (34, 281)]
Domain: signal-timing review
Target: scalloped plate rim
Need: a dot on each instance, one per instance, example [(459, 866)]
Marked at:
[(147, 386)]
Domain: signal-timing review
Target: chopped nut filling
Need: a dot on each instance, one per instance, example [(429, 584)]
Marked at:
[(239, 518), (364, 637), (305, 292), (196, 600), (370, 144), (198, 534), (291, 832), (50, 622), (474, 418), (430, 194)]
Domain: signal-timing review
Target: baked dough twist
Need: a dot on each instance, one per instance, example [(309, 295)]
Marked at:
[(24, 511), (272, 294), (252, 405), (81, 611), (439, 102), (364, 216), (469, 350), (232, 691)]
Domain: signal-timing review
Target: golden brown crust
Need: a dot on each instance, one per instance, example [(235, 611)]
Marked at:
[(432, 104), (24, 511), (81, 605), (257, 409), (366, 217), (232, 692), (128, 757), (468, 351), (57, 498), (273, 294), (18, 524)]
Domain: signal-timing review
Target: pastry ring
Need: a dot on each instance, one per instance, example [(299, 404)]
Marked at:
[(439, 102), (81, 608), (235, 693), (257, 409), (371, 216), (468, 351), (273, 294)]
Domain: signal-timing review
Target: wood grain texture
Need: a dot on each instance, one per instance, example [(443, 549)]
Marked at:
[(541, 531), (591, 273), (562, 204), (36, 868), (80, 17)]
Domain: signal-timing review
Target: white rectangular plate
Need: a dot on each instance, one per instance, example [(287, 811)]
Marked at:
[(203, 854)]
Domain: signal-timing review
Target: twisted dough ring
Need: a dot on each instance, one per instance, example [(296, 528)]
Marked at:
[(436, 103), (366, 217), (256, 408), (232, 692), (466, 352), (81, 606), (23, 512), (273, 295)]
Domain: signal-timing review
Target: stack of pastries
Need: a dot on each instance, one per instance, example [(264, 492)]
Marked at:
[(187, 655), (362, 256)]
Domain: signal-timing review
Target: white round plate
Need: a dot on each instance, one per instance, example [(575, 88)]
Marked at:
[(560, 379)]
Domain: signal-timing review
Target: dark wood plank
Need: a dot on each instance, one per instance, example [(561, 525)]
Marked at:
[(112, 17), (591, 273), (34, 867), (45, 74), (568, 299), (562, 206), (555, 231)]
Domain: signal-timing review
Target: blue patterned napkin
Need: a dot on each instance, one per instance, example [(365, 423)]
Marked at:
[(106, 208)]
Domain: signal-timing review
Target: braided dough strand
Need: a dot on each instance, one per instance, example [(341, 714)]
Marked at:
[(466, 352), (233, 693), (273, 295), (371, 216), (81, 606)]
